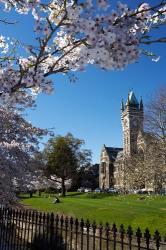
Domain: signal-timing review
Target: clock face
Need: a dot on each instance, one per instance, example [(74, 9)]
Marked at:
[(135, 122)]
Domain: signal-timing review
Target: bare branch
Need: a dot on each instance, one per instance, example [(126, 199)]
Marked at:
[(159, 40)]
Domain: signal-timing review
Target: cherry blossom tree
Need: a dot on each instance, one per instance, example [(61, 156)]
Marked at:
[(69, 35), (19, 141)]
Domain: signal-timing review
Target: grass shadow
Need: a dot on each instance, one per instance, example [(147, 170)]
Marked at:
[(99, 196), (23, 197), (74, 194)]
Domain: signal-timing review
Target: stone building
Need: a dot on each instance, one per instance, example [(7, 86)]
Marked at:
[(106, 169), (111, 170)]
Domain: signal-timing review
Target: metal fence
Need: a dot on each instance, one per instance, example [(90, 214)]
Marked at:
[(25, 229)]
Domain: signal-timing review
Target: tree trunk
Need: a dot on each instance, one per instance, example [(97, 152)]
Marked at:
[(31, 194), (63, 193)]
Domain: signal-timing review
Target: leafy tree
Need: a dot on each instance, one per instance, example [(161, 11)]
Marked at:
[(87, 176), (64, 156)]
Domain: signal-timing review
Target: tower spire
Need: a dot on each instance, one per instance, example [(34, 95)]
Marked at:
[(141, 104), (132, 123), (128, 100), (133, 100), (122, 105)]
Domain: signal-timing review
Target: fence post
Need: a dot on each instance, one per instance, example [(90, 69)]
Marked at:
[(114, 231), (13, 227), (107, 232), (94, 234), (100, 236), (8, 228), (1, 224), (56, 230), (122, 232), (51, 230), (22, 228), (157, 238), (61, 231), (147, 238), (47, 230), (19, 229), (129, 233), (66, 231), (25, 228), (71, 232), (139, 236), (35, 238), (15, 231), (4, 228), (87, 234), (32, 226), (82, 233), (76, 231)]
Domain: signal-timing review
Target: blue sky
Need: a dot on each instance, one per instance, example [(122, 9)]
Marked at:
[(90, 108)]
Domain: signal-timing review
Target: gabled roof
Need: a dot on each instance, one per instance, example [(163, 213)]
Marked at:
[(120, 155), (113, 152)]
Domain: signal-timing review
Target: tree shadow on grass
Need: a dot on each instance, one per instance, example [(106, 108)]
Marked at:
[(99, 196), (22, 197), (74, 194)]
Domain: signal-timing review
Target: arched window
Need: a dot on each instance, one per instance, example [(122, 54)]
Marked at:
[(141, 154), (103, 168)]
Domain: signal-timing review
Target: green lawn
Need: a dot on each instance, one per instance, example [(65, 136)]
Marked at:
[(149, 211)]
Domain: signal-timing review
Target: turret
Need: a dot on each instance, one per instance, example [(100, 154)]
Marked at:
[(132, 123), (122, 105), (128, 101), (141, 106)]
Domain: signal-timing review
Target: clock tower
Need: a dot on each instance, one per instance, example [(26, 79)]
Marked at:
[(132, 123)]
